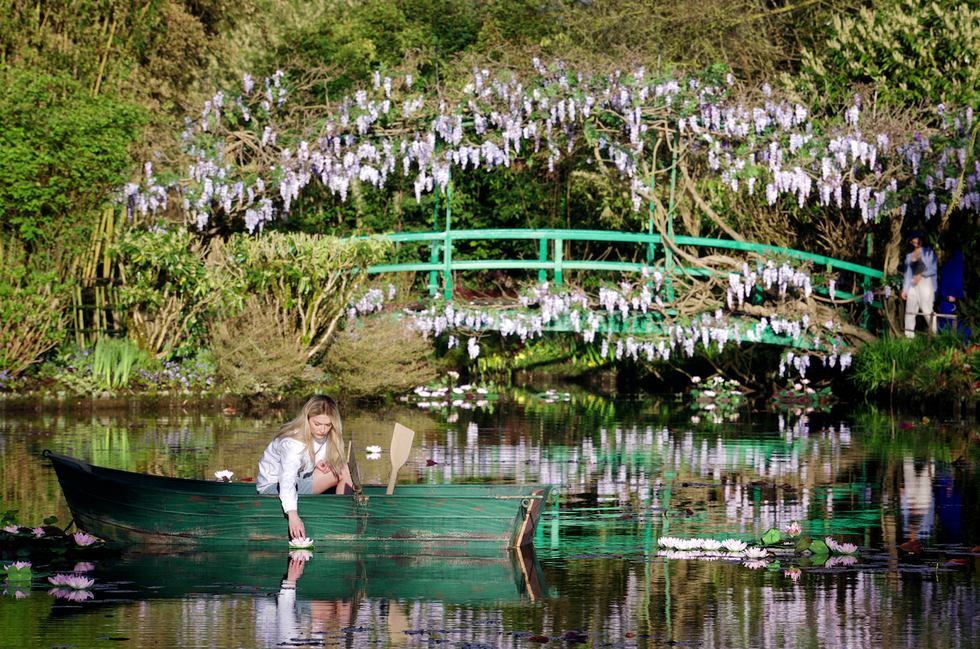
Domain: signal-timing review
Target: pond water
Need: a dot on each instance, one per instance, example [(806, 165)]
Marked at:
[(629, 471)]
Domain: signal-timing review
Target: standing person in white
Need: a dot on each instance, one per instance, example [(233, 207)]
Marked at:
[(305, 457), (919, 286)]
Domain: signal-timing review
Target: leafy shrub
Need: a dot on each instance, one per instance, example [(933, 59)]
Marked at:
[(379, 354), (33, 309), (257, 349), (167, 289), (917, 51)]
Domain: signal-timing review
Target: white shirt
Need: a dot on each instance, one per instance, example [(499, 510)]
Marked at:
[(283, 462)]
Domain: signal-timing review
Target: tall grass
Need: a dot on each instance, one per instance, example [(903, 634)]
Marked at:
[(920, 365)]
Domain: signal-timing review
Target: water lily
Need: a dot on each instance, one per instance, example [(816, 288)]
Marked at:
[(301, 543), (844, 560), (300, 555), (71, 594), (12, 529), (734, 545), (846, 548), (832, 544), (793, 573), (711, 545), (756, 553), (19, 565), (224, 476), (38, 532), (77, 582), (83, 566), (83, 539), (794, 529), (755, 564)]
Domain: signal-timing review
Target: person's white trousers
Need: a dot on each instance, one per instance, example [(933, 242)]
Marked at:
[(920, 299)]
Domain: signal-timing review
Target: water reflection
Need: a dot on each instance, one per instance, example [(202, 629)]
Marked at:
[(631, 471)]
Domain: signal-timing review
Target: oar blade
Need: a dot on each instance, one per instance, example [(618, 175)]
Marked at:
[(401, 446)]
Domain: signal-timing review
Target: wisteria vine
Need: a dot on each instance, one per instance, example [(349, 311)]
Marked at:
[(240, 160)]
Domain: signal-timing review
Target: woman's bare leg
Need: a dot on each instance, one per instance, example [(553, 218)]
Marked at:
[(323, 481)]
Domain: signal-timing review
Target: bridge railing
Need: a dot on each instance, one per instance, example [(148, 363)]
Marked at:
[(551, 263)]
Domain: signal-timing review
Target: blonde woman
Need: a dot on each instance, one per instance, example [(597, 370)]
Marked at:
[(305, 457)]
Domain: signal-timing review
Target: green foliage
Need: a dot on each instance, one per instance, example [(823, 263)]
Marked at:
[(167, 291), (910, 51), (61, 152), (114, 360), (308, 279), (256, 350), (361, 37), (771, 537), (377, 355), (33, 303), (920, 366)]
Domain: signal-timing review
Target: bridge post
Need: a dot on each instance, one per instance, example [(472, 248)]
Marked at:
[(542, 257), (434, 252), (447, 272), (559, 256)]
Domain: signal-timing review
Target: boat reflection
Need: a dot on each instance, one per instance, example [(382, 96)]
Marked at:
[(326, 575)]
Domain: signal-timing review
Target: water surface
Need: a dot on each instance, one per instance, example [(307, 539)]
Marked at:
[(630, 471)]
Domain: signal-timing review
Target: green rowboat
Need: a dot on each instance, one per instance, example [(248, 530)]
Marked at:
[(156, 510)]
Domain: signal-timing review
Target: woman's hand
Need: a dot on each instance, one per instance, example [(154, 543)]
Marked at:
[(323, 467), (296, 528)]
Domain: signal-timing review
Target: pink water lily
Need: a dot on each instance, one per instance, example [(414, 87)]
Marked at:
[(13, 529), (794, 529), (71, 594), (83, 566), (77, 582), (83, 539), (19, 565), (37, 531)]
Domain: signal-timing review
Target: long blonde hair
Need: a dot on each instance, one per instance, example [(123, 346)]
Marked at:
[(299, 428)]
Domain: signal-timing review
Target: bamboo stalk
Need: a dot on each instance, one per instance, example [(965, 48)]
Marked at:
[(105, 59)]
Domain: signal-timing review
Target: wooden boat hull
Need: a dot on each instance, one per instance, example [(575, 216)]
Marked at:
[(174, 512)]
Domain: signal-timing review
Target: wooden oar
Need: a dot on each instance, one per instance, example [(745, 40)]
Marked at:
[(401, 445)]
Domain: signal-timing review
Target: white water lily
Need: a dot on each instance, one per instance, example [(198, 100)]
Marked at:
[(224, 476), (756, 553), (373, 449), (300, 555), (711, 545), (301, 543), (734, 545)]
